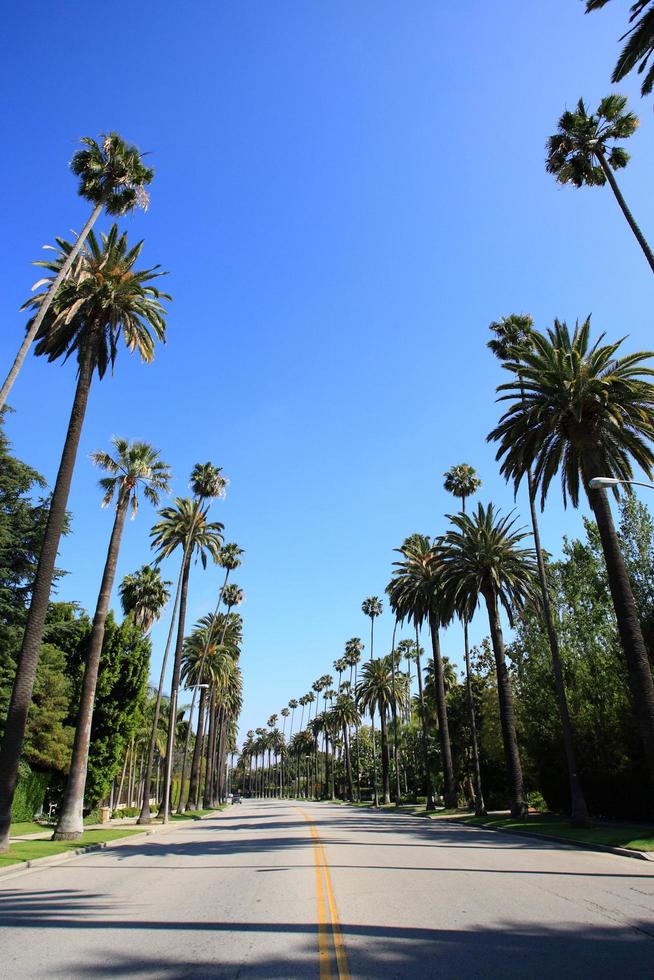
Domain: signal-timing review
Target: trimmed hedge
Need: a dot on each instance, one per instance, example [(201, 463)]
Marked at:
[(30, 793)]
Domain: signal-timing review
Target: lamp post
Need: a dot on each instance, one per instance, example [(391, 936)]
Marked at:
[(601, 482)]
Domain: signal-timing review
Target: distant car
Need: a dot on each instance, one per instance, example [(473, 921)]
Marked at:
[(237, 798)]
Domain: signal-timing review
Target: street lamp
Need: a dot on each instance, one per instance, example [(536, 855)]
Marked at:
[(600, 482)]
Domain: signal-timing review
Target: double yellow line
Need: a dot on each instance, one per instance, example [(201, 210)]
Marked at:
[(328, 920)]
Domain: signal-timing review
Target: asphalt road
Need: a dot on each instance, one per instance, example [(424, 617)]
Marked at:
[(275, 889)]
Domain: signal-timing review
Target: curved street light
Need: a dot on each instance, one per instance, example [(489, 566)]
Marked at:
[(600, 482)]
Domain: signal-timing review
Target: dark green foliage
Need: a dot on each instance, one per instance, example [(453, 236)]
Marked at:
[(30, 793), (111, 173), (120, 696), (49, 734), (22, 522), (611, 759)]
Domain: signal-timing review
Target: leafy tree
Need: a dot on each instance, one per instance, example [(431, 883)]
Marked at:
[(579, 408), (583, 152), (49, 734), (639, 42), (112, 177), (90, 312)]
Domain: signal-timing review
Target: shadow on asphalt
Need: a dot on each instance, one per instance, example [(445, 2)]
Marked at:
[(507, 950), (374, 952)]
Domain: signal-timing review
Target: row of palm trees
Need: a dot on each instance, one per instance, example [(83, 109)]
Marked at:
[(94, 294), (573, 406)]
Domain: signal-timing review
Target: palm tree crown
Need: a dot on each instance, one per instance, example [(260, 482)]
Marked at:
[(575, 153), (371, 607), (184, 523), (103, 297), (461, 480), (640, 42), (143, 595), (481, 556), (577, 406), (207, 482), (135, 465), (112, 173)]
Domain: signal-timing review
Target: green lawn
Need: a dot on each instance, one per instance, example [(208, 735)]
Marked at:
[(29, 850), (635, 837), (28, 827)]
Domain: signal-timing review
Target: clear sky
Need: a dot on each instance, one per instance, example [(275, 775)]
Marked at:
[(346, 195)]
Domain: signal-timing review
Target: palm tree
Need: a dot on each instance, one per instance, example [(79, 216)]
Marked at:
[(481, 557), (580, 408), (462, 481), (344, 714), (86, 318), (207, 482), (640, 42), (375, 693), (135, 466), (143, 595), (583, 152), (512, 338), (182, 525), (372, 607), (113, 178), (415, 593)]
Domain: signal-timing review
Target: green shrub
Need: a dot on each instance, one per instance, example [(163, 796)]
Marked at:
[(30, 793), (536, 801), (92, 817), (126, 811)]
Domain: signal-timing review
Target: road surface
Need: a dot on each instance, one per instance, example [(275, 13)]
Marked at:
[(277, 889)]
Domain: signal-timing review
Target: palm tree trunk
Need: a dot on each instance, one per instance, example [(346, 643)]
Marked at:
[(578, 808), (194, 788), (507, 713), (145, 816), (626, 612), (423, 719), (480, 806), (174, 687), (449, 793), (396, 734), (70, 825), (122, 778), (386, 780), (21, 695), (348, 764), (375, 797), (208, 775), (45, 306), (640, 238)]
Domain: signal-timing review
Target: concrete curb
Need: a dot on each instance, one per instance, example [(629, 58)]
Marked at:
[(586, 845), (24, 867)]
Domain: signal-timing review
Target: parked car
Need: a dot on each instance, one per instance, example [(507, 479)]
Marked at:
[(237, 798)]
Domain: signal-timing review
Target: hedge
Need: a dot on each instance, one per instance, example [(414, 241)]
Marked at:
[(30, 793)]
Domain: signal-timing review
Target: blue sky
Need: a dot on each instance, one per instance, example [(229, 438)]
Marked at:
[(346, 195)]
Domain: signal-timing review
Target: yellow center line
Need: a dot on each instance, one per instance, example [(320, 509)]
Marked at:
[(324, 886)]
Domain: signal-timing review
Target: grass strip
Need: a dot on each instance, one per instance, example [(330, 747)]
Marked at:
[(634, 837), (30, 850)]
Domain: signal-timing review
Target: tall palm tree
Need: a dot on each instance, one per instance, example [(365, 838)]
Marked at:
[(578, 407), (182, 525), (372, 607), (415, 593), (86, 319), (462, 481), (135, 466), (482, 558), (640, 42), (583, 152), (143, 596), (113, 178), (512, 337), (207, 482), (375, 693), (345, 715)]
